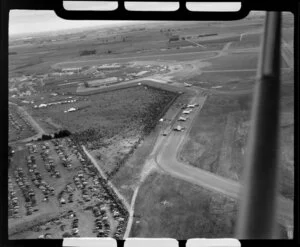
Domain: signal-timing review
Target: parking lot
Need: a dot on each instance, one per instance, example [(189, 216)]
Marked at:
[(56, 177), (19, 126)]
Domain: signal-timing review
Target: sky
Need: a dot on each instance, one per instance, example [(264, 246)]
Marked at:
[(34, 21)]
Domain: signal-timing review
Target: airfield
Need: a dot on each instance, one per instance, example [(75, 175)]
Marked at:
[(158, 130)]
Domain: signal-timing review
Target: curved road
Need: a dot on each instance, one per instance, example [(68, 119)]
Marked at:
[(166, 152)]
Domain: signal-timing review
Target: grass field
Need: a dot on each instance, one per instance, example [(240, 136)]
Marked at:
[(237, 61), (219, 118), (170, 208), (167, 207), (218, 144), (248, 41), (208, 79)]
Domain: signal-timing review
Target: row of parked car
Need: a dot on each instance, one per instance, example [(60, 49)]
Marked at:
[(49, 164), (102, 226), (64, 157), (13, 202), (27, 191), (15, 118), (37, 178), (15, 123), (103, 192)]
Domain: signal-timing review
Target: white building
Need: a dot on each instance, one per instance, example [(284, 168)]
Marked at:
[(42, 105), (70, 110), (141, 73), (66, 70)]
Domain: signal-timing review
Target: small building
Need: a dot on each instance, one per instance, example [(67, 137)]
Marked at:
[(66, 70), (70, 110), (141, 73), (42, 105), (109, 66)]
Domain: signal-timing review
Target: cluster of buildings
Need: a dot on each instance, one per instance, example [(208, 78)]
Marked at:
[(44, 105)]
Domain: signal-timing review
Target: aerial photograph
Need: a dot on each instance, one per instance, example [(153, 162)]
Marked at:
[(129, 129)]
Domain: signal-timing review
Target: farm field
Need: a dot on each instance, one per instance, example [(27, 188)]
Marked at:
[(177, 209)]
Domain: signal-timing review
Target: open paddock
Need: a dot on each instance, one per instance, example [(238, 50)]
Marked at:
[(177, 209), (234, 61), (222, 77), (218, 144), (247, 41)]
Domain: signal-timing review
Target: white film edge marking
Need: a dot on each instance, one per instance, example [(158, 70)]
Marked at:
[(151, 242), (213, 242), (89, 242)]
